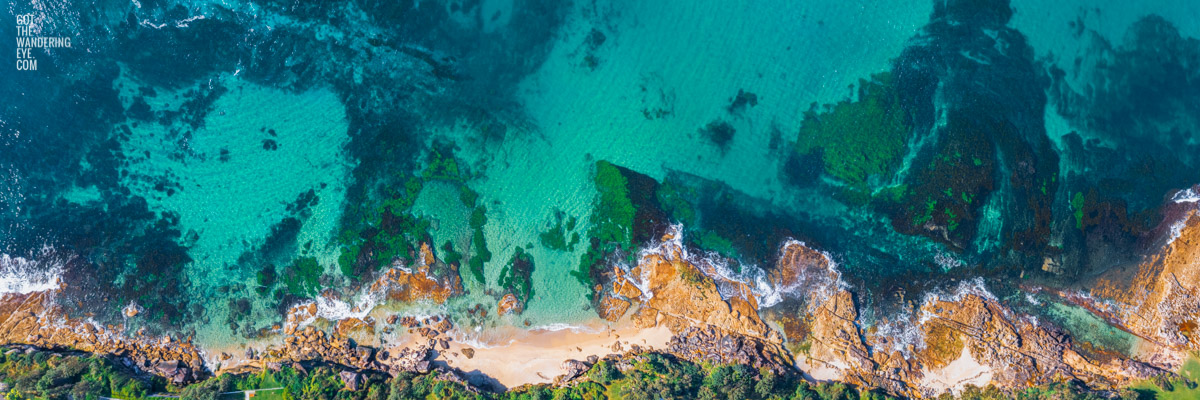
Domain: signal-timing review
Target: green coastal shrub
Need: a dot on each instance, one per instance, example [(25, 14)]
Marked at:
[(42, 375)]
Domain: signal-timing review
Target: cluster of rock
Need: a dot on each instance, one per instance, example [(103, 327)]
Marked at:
[(312, 344), (1011, 350), (710, 345), (1161, 303), (35, 319), (816, 326), (685, 296), (409, 285), (509, 304), (1020, 351)]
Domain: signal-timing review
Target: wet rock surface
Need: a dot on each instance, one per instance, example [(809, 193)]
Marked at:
[(35, 319), (817, 328)]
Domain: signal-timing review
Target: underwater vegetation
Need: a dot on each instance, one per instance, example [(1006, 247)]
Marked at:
[(555, 238), (515, 276), (943, 199), (860, 138), (390, 231), (633, 209), (417, 64), (302, 277), (611, 221), (480, 253), (1131, 107), (719, 132)]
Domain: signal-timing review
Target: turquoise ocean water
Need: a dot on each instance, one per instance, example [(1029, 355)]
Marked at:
[(187, 156)]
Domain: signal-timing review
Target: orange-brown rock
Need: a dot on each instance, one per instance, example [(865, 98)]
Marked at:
[(624, 287), (612, 308), (1161, 303), (35, 319), (1020, 352), (1014, 350), (645, 317), (509, 304), (683, 293), (131, 310), (427, 257), (351, 327), (403, 284)]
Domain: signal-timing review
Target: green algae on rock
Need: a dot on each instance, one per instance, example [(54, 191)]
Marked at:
[(515, 276), (860, 138)]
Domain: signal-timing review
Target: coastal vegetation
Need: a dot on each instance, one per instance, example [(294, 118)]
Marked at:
[(30, 375), (39, 374)]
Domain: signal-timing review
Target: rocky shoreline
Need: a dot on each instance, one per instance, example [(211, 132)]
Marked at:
[(816, 330)]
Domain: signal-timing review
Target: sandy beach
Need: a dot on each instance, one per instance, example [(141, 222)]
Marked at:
[(511, 356), (536, 356), (959, 373)]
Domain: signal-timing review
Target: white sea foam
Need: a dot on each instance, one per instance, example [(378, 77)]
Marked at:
[(38, 273), (900, 332), (947, 261), (968, 287), (1188, 195), (184, 22), (729, 281), (333, 309), (473, 340), (555, 327)]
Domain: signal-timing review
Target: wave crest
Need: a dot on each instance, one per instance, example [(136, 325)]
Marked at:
[(36, 273)]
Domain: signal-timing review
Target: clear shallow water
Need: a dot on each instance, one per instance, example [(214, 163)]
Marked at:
[(207, 142)]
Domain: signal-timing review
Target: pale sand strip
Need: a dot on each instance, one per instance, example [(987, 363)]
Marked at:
[(513, 357), (956, 375), (537, 356)]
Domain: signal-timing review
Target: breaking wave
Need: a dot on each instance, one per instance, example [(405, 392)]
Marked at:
[(963, 289), (1188, 195), (898, 333), (37, 273), (730, 282), (334, 309)]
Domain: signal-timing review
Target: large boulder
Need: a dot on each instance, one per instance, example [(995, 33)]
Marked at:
[(353, 380), (573, 369)]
